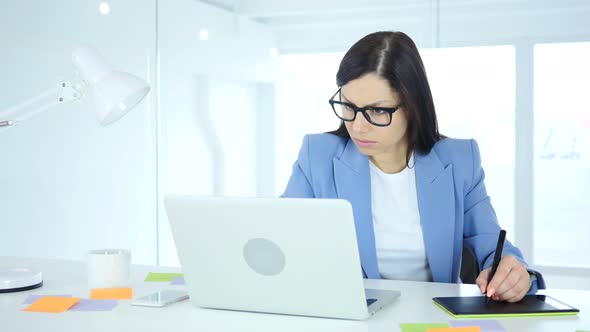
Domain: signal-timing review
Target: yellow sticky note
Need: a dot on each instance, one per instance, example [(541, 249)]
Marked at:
[(111, 294), (53, 304), (456, 329)]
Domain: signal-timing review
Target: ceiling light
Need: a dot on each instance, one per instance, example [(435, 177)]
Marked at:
[(104, 8), (204, 34)]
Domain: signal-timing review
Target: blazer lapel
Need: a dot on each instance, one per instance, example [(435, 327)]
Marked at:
[(353, 183), (436, 204)]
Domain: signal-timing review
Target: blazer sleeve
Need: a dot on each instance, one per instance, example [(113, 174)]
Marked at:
[(481, 229), (299, 185)]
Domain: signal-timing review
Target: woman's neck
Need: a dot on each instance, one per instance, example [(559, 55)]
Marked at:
[(391, 162)]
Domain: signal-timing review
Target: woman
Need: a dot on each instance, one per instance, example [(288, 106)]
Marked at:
[(417, 196)]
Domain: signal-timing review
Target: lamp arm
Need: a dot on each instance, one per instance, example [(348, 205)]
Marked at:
[(65, 91)]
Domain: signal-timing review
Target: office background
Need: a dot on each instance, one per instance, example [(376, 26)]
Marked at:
[(237, 83)]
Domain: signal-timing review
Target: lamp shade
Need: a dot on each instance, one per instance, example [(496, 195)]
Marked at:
[(114, 93)]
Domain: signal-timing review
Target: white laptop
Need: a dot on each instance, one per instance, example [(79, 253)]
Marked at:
[(274, 255)]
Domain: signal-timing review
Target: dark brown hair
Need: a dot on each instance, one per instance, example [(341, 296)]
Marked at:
[(394, 56)]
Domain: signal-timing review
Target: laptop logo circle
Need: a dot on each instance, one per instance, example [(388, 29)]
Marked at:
[(264, 256)]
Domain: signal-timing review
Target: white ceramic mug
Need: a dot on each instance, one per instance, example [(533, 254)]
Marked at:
[(108, 268)]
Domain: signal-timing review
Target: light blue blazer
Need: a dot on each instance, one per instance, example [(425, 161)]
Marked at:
[(452, 200)]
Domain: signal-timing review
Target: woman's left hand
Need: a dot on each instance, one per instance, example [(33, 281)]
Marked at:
[(511, 281)]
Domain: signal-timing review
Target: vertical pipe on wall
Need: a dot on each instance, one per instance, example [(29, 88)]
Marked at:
[(209, 133), (265, 139), (524, 154), (157, 127), (435, 23)]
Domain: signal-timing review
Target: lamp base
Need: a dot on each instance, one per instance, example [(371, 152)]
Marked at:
[(19, 279)]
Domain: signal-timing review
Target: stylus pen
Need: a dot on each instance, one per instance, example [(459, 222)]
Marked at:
[(497, 257)]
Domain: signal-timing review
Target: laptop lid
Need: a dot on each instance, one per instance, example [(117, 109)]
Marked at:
[(277, 255)]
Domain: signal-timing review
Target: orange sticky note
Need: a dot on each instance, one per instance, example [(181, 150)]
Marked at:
[(456, 329), (53, 304), (111, 294)]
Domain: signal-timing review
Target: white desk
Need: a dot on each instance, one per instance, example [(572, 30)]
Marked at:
[(415, 305)]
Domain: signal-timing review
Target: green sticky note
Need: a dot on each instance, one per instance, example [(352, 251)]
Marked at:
[(159, 276), (420, 327), (582, 330)]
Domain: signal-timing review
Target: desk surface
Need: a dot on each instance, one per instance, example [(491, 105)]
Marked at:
[(414, 306)]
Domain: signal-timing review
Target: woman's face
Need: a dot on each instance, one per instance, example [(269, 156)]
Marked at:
[(373, 90)]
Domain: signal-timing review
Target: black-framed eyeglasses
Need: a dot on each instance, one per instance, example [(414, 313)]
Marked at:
[(377, 116)]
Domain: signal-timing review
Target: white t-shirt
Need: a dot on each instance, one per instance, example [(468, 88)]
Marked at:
[(398, 233)]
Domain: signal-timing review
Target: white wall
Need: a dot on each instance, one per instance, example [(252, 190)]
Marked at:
[(66, 183), (212, 81)]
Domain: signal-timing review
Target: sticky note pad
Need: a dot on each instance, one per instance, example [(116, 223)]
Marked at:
[(420, 327), (486, 325), (159, 276), (32, 298), (178, 281), (94, 305), (111, 294), (456, 329), (53, 304)]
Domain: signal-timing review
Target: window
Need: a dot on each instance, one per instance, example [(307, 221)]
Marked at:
[(561, 154), (473, 91)]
